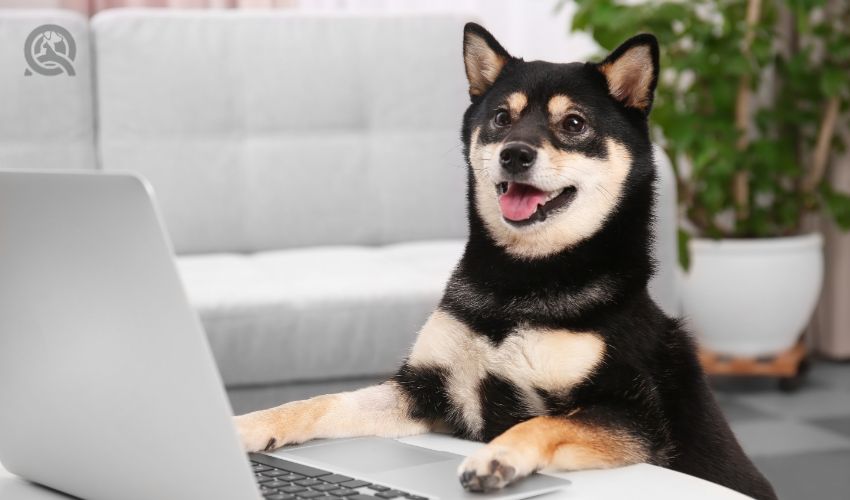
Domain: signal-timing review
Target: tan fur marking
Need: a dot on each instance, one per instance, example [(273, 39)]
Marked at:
[(558, 443), (483, 65), (379, 410), (481, 155), (558, 107), (565, 444), (443, 340), (447, 343), (516, 104), (630, 76), (599, 183), (554, 360)]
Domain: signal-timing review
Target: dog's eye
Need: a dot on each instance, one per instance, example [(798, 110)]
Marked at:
[(574, 124), (502, 118)]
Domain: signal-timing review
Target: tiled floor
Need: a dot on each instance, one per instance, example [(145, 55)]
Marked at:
[(800, 441)]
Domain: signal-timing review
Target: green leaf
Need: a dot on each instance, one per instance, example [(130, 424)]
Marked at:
[(712, 196), (832, 81)]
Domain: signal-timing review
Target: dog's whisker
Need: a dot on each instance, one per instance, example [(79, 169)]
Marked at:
[(607, 194)]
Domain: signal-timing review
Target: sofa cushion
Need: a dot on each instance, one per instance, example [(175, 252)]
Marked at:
[(316, 313), (254, 127), (46, 121)]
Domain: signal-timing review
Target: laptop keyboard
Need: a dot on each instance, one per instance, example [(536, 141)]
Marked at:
[(280, 479)]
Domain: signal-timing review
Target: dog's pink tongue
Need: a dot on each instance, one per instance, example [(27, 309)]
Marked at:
[(520, 201)]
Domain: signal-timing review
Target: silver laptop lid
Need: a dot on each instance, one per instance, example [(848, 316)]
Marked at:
[(108, 388)]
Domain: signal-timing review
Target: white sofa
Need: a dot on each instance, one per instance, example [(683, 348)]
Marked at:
[(308, 168)]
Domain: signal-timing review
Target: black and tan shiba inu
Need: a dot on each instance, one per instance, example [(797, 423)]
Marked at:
[(546, 344)]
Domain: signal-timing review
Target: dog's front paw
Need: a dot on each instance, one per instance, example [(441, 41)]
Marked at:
[(256, 432), (494, 467)]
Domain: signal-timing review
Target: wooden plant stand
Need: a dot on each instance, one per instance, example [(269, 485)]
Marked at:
[(789, 366)]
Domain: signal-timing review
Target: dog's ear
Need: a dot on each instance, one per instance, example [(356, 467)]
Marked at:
[(483, 57), (632, 72)]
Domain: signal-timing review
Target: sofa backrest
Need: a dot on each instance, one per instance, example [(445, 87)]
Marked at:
[(255, 128), (46, 121)]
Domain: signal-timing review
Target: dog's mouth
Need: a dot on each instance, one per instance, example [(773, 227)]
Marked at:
[(523, 204)]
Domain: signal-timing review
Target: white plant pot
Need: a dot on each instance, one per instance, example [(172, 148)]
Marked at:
[(752, 297)]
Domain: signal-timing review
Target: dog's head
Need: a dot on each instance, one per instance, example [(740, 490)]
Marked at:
[(552, 148)]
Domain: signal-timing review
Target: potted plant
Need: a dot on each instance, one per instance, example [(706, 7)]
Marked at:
[(748, 103)]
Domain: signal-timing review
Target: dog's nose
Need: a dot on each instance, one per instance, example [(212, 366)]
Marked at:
[(517, 157)]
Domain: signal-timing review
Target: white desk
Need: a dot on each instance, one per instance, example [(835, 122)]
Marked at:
[(634, 482)]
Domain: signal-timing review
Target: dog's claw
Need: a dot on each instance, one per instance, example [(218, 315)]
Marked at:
[(487, 473), (467, 478), (505, 471), (498, 477), (255, 434)]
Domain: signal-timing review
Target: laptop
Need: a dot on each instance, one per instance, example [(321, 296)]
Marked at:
[(108, 387)]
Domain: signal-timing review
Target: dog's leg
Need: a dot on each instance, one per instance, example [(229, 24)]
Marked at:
[(559, 443), (381, 410)]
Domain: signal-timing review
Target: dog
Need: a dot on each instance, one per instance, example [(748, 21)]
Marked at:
[(546, 344)]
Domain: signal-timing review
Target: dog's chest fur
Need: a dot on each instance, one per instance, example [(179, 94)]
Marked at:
[(485, 383)]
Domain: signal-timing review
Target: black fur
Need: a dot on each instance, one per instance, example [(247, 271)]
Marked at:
[(426, 387), (650, 383), (501, 405)]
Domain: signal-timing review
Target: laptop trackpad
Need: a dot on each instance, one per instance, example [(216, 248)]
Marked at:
[(369, 455), (440, 479)]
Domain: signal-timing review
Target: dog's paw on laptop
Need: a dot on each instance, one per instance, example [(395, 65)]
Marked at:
[(254, 433), (493, 467)]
